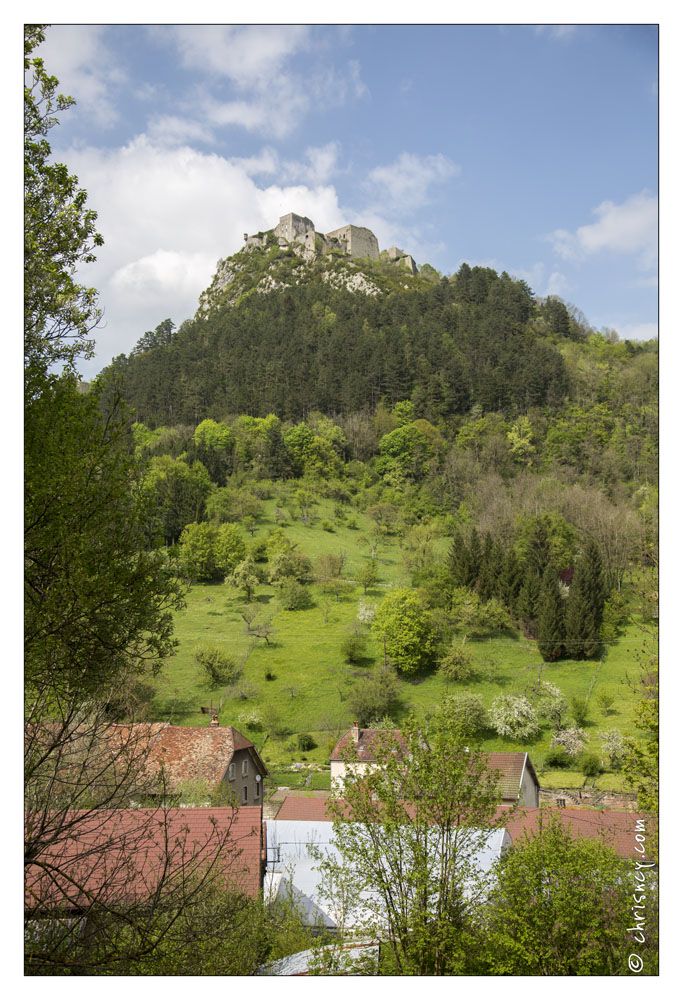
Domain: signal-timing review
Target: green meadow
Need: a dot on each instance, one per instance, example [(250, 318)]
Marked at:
[(299, 682)]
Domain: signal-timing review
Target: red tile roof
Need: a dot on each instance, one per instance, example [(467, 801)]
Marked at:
[(188, 752), (616, 827), (511, 767), (312, 810), (115, 854)]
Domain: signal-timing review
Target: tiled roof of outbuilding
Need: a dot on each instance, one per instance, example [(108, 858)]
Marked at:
[(119, 853)]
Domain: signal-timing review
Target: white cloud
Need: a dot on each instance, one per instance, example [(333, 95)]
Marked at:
[(78, 57), (404, 185), (258, 84), (173, 130), (251, 56), (558, 285), (627, 228), (637, 331), (164, 272), (167, 214)]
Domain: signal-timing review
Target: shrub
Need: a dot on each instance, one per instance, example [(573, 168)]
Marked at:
[(353, 647), (251, 719), (352, 524), (457, 664), (258, 550), (373, 696), (605, 701), (590, 764), (327, 525), (305, 741), (514, 716), (468, 714), (216, 665), (571, 740), (557, 757), (579, 711), (294, 596)]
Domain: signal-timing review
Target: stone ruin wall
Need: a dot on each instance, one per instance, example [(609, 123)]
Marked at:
[(356, 241)]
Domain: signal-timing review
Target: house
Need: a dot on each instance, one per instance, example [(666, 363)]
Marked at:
[(113, 856), (292, 869), (517, 777), (215, 754)]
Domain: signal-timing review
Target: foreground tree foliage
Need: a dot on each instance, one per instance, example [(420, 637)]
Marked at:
[(409, 866), (562, 907), (98, 618), (59, 231)]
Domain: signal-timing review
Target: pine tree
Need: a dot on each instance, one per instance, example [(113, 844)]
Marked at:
[(491, 568), (510, 580), (585, 605), (551, 625)]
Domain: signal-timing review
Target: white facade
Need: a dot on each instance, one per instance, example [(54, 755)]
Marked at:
[(292, 871)]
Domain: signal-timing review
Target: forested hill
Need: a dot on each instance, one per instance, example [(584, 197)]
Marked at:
[(313, 342)]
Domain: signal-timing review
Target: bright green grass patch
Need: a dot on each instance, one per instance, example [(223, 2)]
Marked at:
[(311, 682)]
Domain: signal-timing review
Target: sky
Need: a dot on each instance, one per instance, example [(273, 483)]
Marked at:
[(526, 148)]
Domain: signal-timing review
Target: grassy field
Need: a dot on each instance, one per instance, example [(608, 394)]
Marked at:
[(310, 681)]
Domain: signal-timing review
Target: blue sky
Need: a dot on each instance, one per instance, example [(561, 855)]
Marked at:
[(525, 148)]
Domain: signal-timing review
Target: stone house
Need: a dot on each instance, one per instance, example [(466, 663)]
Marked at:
[(215, 754)]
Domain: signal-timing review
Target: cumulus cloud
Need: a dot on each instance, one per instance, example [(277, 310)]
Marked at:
[(77, 55), (630, 227), (405, 184), (167, 214), (252, 56)]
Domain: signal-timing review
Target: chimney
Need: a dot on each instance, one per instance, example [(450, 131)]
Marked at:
[(355, 733), (214, 721), (246, 237)]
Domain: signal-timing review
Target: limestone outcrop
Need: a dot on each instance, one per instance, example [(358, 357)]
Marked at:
[(293, 252)]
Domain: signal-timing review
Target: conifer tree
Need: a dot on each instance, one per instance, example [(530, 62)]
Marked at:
[(510, 580), (585, 605), (491, 568), (551, 625)]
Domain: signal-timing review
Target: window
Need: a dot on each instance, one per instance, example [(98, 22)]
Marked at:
[(561, 803), (245, 768), (258, 789), (231, 772), (245, 795)]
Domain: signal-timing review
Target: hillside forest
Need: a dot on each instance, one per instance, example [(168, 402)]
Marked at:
[(447, 488)]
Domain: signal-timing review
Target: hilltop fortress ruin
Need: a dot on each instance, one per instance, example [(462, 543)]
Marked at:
[(355, 241)]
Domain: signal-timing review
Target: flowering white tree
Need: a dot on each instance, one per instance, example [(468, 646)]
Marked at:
[(513, 715), (571, 740), (612, 745), (552, 704), (366, 611)]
